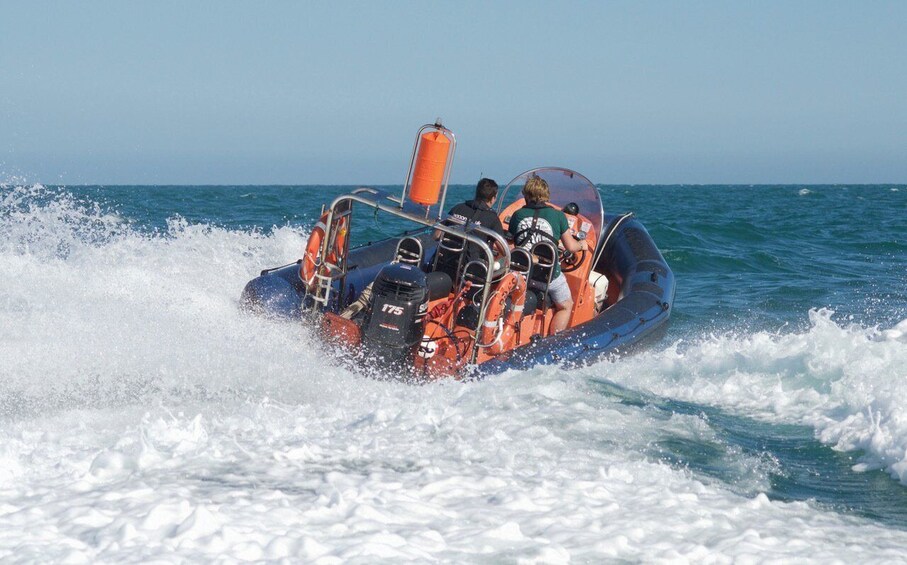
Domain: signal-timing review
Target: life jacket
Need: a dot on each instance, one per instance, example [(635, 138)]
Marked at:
[(524, 236), (473, 211)]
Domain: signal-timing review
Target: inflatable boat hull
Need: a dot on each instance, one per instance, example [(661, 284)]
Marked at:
[(638, 317)]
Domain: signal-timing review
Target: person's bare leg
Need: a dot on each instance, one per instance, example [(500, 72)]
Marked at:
[(561, 317)]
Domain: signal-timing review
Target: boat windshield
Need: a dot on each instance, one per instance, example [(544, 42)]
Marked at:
[(566, 186)]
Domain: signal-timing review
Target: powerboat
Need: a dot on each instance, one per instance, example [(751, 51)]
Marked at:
[(442, 299)]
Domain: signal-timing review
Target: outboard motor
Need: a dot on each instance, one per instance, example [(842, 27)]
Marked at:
[(400, 298)]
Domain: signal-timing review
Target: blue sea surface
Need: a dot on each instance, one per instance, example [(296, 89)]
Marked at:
[(783, 372), (746, 257)]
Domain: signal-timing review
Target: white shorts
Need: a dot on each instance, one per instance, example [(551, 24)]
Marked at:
[(559, 291)]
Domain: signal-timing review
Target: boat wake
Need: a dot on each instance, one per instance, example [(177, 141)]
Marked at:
[(844, 380), (142, 415), (98, 309)]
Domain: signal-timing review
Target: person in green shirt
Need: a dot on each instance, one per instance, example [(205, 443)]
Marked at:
[(535, 222)]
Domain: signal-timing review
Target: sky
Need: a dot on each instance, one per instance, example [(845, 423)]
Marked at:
[(203, 92)]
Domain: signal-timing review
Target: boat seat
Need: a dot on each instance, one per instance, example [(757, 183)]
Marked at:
[(448, 256), (439, 285), (409, 251), (475, 272), (521, 261), (540, 272), (536, 299), (545, 254)]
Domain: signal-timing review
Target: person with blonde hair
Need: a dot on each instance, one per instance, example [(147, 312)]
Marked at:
[(537, 221)]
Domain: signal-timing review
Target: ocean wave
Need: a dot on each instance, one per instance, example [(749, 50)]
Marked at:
[(145, 413), (94, 310), (845, 380)]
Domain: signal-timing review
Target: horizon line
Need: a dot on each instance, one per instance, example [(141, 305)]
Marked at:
[(358, 185)]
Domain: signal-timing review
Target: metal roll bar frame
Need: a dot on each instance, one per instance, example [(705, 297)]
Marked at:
[(326, 273)]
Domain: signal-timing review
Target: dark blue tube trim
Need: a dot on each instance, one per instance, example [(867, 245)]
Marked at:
[(641, 313)]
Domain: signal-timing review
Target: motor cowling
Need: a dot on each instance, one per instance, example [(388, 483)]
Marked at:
[(393, 326)]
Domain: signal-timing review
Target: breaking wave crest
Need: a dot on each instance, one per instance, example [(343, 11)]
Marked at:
[(845, 380), (98, 310)]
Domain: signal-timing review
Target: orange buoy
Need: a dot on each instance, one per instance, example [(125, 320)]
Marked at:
[(499, 334), (313, 247), (428, 173)]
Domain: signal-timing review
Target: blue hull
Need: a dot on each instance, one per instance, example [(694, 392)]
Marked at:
[(638, 318)]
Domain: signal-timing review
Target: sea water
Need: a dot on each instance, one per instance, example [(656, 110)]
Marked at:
[(144, 417)]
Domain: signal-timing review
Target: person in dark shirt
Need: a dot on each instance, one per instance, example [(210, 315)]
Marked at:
[(477, 211)]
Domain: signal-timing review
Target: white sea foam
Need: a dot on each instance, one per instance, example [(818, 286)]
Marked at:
[(846, 381), (144, 417)]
